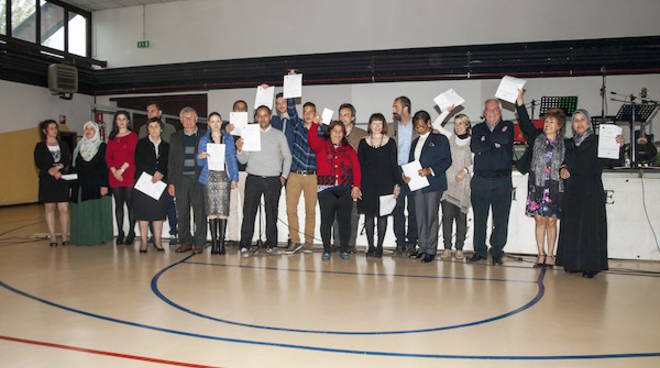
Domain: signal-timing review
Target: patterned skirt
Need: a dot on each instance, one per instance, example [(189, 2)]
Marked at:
[(544, 201), (216, 194)]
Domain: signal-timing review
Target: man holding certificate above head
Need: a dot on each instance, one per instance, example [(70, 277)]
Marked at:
[(431, 155), (237, 195), (403, 132), (492, 145), (302, 179), (266, 153), (183, 174)]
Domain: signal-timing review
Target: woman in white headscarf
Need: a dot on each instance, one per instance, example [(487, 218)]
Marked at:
[(583, 232), (91, 211)]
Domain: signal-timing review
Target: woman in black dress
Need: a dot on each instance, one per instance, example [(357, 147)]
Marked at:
[(151, 158), (377, 154), (583, 232), (53, 159)]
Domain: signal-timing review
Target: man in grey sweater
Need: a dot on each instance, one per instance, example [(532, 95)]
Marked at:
[(267, 172)]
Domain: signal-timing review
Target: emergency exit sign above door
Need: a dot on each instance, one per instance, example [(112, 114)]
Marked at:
[(142, 44)]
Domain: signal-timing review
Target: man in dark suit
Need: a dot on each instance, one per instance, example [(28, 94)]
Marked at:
[(183, 175)]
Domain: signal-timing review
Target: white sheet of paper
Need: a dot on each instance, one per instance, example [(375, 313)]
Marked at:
[(216, 158), (264, 97), (293, 86), (448, 98), (437, 123), (326, 117), (252, 138), (70, 177), (411, 169), (508, 88), (387, 204), (607, 145), (239, 120), (153, 190)]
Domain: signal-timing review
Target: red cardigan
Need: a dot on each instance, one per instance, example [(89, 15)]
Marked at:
[(118, 151), (334, 166)]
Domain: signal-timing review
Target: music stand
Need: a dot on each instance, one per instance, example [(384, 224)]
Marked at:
[(567, 103), (633, 112)]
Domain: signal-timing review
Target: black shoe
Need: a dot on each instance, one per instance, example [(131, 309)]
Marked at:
[(428, 258), (120, 238), (52, 244), (415, 254), (130, 238), (159, 248), (588, 275), (379, 252), (66, 242), (475, 258), (371, 252), (497, 261)]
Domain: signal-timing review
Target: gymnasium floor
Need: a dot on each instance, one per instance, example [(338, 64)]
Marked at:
[(108, 306)]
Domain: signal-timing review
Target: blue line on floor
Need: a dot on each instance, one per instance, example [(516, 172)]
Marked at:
[(159, 294)]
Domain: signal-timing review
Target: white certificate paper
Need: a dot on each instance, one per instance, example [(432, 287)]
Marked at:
[(387, 204), (508, 88), (411, 170), (293, 86), (264, 97), (607, 144), (239, 120), (153, 190), (326, 117), (216, 158), (252, 138), (448, 98)]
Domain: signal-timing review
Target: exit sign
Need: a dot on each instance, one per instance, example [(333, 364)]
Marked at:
[(142, 44)]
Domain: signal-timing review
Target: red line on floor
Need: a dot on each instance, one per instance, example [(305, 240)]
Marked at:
[(106, 353)]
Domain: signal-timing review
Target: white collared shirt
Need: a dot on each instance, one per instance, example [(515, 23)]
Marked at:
[(420, 145)]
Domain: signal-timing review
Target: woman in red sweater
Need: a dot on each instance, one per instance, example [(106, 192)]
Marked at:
[(120, 157), (338, 176)]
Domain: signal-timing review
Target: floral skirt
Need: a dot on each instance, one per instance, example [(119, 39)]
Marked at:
[(544, 200)]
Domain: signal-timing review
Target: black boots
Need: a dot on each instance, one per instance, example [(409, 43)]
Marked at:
[(218, 227)]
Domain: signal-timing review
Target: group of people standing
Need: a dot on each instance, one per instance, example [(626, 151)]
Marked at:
[(345, 168)]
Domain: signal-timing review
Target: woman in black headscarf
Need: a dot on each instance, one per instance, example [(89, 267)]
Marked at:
[(583, 232)]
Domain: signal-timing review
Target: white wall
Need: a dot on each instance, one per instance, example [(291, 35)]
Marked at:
[(24, 106), (196, 30), (378, 97)]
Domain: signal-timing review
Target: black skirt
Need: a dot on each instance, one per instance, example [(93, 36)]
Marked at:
[(52, 190), (146, 208)]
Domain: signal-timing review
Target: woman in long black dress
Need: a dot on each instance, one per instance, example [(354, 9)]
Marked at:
[(583, 232), (91, 210), (151, 158), (377, 154), (53, 159)]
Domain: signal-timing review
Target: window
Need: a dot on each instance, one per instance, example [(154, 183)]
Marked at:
[(77, 34), (3, 17), (52, 26), (24, 19), (55, 26)]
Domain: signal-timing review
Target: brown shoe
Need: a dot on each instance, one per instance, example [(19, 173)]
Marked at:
[(183, 248), (198, 249)]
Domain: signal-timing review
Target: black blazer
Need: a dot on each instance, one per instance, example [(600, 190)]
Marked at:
[(436, 155), (44, 160), (146, 160), (92, 176), (177, 155)]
